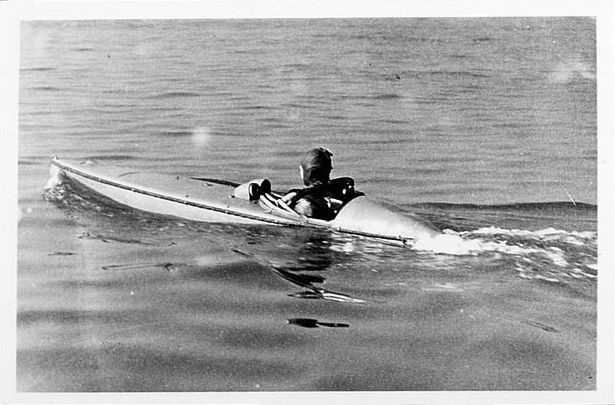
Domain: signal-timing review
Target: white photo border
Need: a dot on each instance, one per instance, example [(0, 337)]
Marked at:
[(12, 12)]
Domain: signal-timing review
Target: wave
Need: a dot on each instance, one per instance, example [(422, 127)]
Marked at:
[(393, 121), (482, 39), (45, 88), (446, 73), (257, 107), (28, 162), (174, 94), (530, 206), (177, 133), (297, 66), (112, 157), (38, 69), (386, 97)]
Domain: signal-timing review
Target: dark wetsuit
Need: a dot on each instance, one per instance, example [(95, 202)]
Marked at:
[(323, 201), (314, 205)]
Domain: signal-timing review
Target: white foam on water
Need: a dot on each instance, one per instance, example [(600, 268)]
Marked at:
[(573, 241), (348, 247), (53, 190), (545, 278), (448, 243), (541, 233), (556, 256), (54, 178), (481, 241), (578, 273), (575, 274), (343, 246), (437, 287), (453, 243), (593, 266)]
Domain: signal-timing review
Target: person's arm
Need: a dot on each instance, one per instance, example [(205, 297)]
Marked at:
[(304, 207), (289, 197)]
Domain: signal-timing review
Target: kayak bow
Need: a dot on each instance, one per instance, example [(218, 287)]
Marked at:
[(212, 200)]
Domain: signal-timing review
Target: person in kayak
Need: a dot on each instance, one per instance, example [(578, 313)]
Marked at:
[(321, 197)]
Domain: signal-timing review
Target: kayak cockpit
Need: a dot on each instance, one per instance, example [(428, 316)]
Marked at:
[(335, 194), (352, 211)]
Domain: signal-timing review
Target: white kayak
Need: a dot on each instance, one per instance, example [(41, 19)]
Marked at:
[(211, 200)]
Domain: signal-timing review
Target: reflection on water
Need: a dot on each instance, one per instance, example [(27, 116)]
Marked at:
[(166, 266), (314, 323), (307, 281)]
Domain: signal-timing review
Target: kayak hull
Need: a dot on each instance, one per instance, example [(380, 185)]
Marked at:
[(156, 205), (176, 196), (213, 201)]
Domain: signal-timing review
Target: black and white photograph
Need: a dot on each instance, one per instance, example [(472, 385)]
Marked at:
[(310, 204)]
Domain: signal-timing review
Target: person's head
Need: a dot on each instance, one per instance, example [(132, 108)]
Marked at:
[(316, 166)]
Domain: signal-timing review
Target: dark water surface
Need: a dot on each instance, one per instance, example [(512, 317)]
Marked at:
[(487, 127)]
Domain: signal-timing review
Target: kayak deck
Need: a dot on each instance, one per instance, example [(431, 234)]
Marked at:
[(182, 196)]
